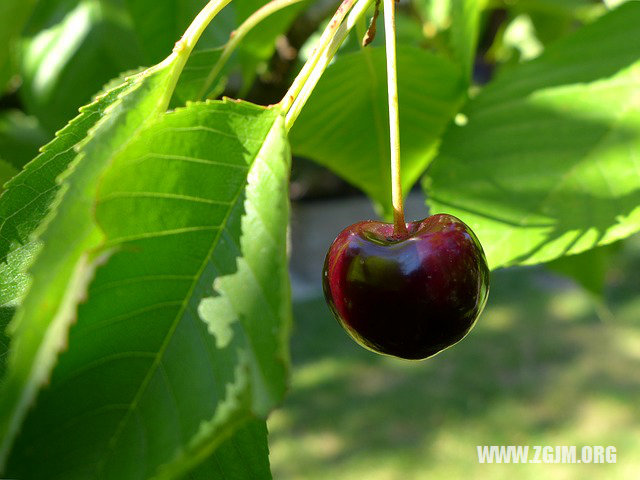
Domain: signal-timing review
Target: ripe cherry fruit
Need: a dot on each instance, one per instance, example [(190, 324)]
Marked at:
[(410, 296)]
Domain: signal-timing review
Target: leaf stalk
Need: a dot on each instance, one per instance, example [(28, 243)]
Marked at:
[(238, 35), (331, 39)]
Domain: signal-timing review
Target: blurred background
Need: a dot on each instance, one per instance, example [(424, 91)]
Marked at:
[(554, 359)]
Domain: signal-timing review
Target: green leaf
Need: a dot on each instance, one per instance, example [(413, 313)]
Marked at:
[(463, 37), (7, 171), (20, 137), (344, 125), (437, 13), (532, 24), (517, 40), (64, 243), (260, 43), (245, 455), (195, 212), (13, 16), (459, 22), (28, 200), (548, 163), (68, 55), (257, 45), (195, 73), (565, 8), (589, 269), (5, 341)]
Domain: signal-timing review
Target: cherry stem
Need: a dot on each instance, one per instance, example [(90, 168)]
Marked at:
[(295, 99), (399, 225), (238, 35)]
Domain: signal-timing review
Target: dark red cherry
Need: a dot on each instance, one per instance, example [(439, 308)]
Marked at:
[(410, 296)]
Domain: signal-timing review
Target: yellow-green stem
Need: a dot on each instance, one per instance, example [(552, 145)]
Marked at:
[(183, 47), (200, 23), (399, 225), (325, 54), (325, 39), (236, 37)]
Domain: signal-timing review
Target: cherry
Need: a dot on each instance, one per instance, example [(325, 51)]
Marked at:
[(409, 296)]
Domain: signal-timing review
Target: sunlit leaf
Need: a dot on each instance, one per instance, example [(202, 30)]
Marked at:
[(69, 53), (28, 200), (547, 161), (64, 243), (463, 37), (195, 213)]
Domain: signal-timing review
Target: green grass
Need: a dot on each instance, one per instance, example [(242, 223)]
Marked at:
[(542, 367)]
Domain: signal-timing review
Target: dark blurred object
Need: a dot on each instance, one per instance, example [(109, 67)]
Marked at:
[(9, 101), (483, 68)]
